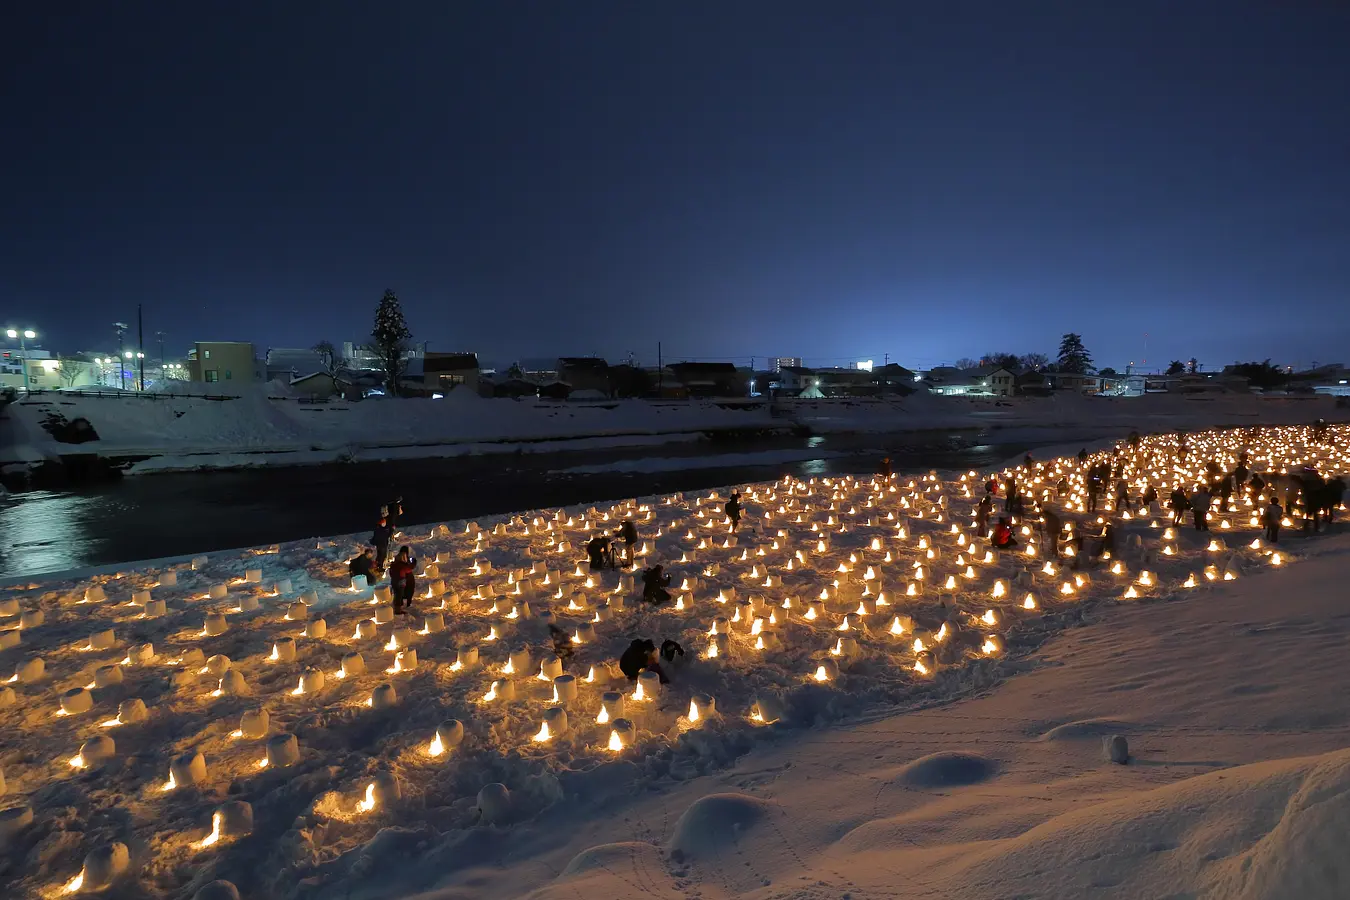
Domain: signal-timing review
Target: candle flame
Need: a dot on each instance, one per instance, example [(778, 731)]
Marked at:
[(214, 836), (170, 784), (368, 803), (615, 742), (74, 884), (821, 674), (543, 735)]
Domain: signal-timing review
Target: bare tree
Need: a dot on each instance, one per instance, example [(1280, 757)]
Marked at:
[(966, 362), (328, 355), (70, 369)]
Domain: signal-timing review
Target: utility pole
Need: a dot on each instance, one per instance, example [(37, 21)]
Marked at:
[(885, 359), (121, 370), (140, 349), (660, 372), (160, 335)]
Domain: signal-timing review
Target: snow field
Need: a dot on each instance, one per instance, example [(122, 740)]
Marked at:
[(203, 720)]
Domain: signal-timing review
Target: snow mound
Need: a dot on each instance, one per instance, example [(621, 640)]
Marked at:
[(625, 855), (1260, 832), (1085, 728), (713, 823), (947, 769)]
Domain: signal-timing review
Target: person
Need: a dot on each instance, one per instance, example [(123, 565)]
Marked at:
[(1108, 541), (1179, 505), (1320, 430), (562, 644), (1012, 503), (601, 552), (1028, 461), (1240, 473), (403, 580), (1052, 527), (641, 655), (884, 470), (982, 514), (733, 510), (394, 512), (1150, 495), (628, 531), (362, 565), (671, 651), (654, 584), (384, 533), (1134, 440), (1082, 456), (1310, 489), (1200, 503), (1094, 487), (1122, 498), (1257, 484), (1333, 493), (1272, 518), (1003, 536)]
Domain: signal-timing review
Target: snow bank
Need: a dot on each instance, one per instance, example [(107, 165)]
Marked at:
[(836, 600)]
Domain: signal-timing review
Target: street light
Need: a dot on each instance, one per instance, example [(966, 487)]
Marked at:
[(24, 337)]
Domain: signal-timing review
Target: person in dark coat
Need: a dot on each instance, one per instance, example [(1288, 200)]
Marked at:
[(671, 651), (1134, 440), (1272, 518), (384, 533), (1179, 503), (1122, 501), (1150, 496), (641, 654), (733, 510), (628, 531), (884, 470), (562, 644), (403, 580), (1082, 456), (1257, 484), (362, 564), (600, 550), (1052, 527), (394, 512), (654, 584)]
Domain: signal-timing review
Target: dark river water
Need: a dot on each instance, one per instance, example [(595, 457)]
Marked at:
[(172, 515)]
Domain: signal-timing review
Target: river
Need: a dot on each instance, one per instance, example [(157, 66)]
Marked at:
[(174, 515)]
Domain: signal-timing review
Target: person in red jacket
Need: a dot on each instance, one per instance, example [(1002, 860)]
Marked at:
[(1003, 535), (403, 580)]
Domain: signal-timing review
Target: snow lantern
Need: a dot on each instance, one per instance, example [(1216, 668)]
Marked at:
[(140, 598), (433, 623), (283, 650), (353, 664), (107, 676), (218, 591), (318, 628), (32, 618), (518, 663), (95, 594), (400, 637), (309, 598), (247, 603), (232, 684), (365, 629), (494, 804), (253, 576), (621, 735), (235, 817), (384, 697), (217, 665), (104, 865), (187, 769), (648, 686), (76, 701), (466, 658), (311, 682), (214, 625), (199, 563), (359, 584), (404, 661), (217, 890), (296, 612), (282, 586), (129, 712), (449, 735), (565, 689), (30, 670), (550, 667), (383, 615), (13, 820), (193, 659), (94, 751), (383, 594), (9, 639), (282, 750), (701, 707), (254, 723), (154, 609), (611, 707), (7, 697), (168, 579)]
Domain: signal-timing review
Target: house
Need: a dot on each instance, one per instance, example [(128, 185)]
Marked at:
[(319, 386), (709, 379), (45, 373), (1073, 381), (359, 358), (894, 378), (286, 363), (442, 372), (584, 373), (982, 381), (219, 362), (792, 380), (515, 388), (842, 382)]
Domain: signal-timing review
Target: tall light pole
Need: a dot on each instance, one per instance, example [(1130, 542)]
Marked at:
[(24, 335), (121, 372)]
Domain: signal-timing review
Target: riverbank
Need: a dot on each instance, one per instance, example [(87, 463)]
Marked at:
[(155, 434)]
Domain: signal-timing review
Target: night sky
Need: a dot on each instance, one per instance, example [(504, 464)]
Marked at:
[(828, 180)]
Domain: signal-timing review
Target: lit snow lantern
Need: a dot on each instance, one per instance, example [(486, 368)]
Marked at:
[(311, 682), (107, 676), (94, 751), (433, 623), (824, 671), (217, 665), (247, 603), (282, 750), (648, 686), (282, 586), (186, 769), (449, 734), (168, 579), (31, 618), (565, 689), (383, 615), (611, 707), (76, 701), (316, 629), (131, 711), (399, 638), (140, 598), (214, 624), (95, 594), (254, 724), (518, 663), (218, 591), (466, 658), (701, 707), (365, 630), (359, 584), (621, 735), (253, 576), (232, 684), (154, 609)]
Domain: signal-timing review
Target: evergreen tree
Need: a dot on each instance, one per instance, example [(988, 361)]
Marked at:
[(1193, 366), (1177, 367), (389, 339), (1074, 358)]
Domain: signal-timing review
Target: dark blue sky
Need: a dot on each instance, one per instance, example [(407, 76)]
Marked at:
[(827, 180)]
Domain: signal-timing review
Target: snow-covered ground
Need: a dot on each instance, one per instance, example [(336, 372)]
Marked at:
[(257, 429), (839, 605)]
